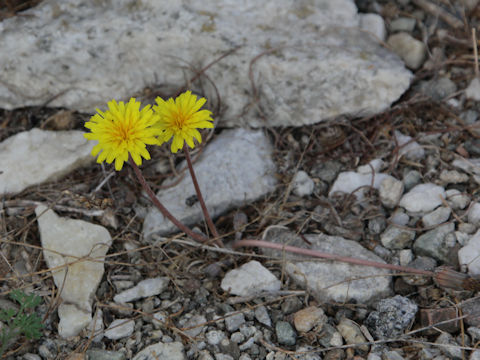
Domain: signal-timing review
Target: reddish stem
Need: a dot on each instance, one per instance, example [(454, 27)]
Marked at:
[(163, 209), (315, 253), (208, 219)]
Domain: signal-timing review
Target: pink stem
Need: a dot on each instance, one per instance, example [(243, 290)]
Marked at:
[(163, 209), (315, 253), (208, 219)]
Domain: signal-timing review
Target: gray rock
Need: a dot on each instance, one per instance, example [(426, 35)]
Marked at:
[(408, 147), (99, 354), (437, 216), (145, 288), (249, 279), (392, 355), (349, 182), (438, 89), (453, 177), (64, 241), (449, 346), (438, 243), (310, 39), (303, 185), (193, 325), (327, 171), (390, 192), (234, 320), (411, 178), (457, 200), (474, 355), (332, 280), (214, 337), (422, 263), (406, 24), (223, 357), (471, 165), (377, 225), (119, 329), (397, 238), (261, 314), (162, 351), (229, 173), (423, 198), (352, 334), (411, 50), (329, 336), (286, 335), (392, 317), (474, 214), (473, 89), (36, 156), (469, 255)]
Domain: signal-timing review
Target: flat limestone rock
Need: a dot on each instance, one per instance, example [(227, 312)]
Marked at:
[(66, 241), (36, 156), (234, 169), (331, 280), (293, 62)]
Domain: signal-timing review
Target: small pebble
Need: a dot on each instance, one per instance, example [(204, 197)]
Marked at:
[(308, 318), (436, 217), (411, 50), (285, 333), (120, 328), (261, 314), (233, 321), (214, 337), (303, 185)]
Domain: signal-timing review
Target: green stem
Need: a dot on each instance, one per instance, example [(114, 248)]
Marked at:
[(163, 209), (208, 219)]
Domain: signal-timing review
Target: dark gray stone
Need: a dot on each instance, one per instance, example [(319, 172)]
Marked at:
[(286, 335)]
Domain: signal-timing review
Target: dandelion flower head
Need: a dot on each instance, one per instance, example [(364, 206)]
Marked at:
[(122, 130), (180, 119)]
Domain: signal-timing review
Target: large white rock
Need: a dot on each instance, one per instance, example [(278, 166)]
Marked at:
[(82, 244), (469, 255), (309, 61), (423, 198), (352, 182), (249, 279), (35, 156), (331, 280), (234, 169)]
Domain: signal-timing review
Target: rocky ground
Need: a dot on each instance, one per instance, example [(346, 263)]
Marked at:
[(380, 163)]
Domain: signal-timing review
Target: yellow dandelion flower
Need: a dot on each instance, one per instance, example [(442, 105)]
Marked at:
[(121, 130), (181, 119)]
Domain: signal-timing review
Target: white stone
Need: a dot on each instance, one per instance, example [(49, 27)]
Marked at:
[(399, 218), (411, 50), (375, 164), (72, 320), (436, 217), (457, 200), (303, 185), (453, 177), (474, 214), (423, 198), (412, 150), (249, 279), (145, 288), (120, 329), (330, 280), (234, 169), (96, 326), (473, 89), (405, 257), (167, 42), (36, 156), (160, 351), (349, 181), (468, 165), (390, 192), (82, 245), (374, 24)]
